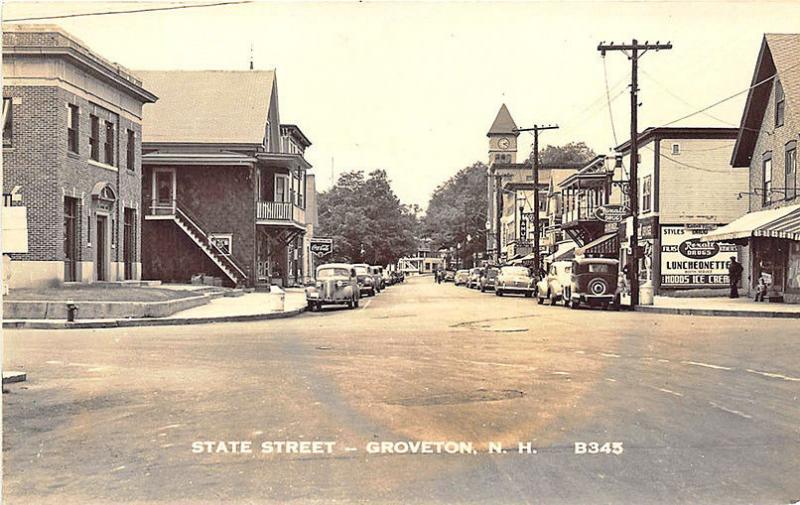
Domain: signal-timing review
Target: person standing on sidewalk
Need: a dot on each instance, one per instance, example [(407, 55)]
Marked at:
[(734, 276)]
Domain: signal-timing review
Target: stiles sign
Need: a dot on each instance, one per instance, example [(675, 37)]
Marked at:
[(321, 246), (689, 263)]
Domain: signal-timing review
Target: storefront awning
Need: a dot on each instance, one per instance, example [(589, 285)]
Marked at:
[(565, 251), (783, 223), (607, 245)]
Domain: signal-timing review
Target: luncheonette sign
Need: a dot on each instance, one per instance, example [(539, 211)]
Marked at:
[(321, 246), (689, 263)]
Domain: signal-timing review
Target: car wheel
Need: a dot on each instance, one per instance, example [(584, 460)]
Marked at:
[(539, 297), (528, 294), (498, 292)]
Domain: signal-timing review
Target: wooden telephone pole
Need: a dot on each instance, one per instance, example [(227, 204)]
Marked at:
[(634, 51), (536, 223)]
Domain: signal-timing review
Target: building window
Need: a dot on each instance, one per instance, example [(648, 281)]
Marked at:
[(766, 189), (223, 242), (8, 121), (791, 170), (109, 145), (780, 103), (73, 115), (676, 149), (647, 194), (131, 153), (281, 188), (94, 138)]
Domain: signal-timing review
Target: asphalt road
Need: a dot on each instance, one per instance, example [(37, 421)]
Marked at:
[(706, 409)]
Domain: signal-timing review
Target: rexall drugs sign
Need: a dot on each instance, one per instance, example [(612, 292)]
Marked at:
[(687, 262)]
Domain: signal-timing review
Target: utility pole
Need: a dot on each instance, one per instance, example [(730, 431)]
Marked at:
[(498, 214), (634, 51), (536, 222)]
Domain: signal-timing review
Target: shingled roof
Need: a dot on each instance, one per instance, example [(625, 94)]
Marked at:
[(503, 123), (779, 55), (207, 106)]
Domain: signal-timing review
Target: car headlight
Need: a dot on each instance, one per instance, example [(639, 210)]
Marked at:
[(339, 284), (318, 285)]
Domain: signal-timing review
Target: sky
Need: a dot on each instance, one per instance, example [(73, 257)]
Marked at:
[(412, 88)]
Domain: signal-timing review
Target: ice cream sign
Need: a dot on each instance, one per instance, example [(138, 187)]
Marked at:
[(686, 262)]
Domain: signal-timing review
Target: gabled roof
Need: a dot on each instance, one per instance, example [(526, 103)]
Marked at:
[(779, 55), (503, 123), (207, 106)]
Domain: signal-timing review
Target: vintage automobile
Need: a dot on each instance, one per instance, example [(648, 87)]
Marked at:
[(398, 276), (593, 282), (551, 287), (514, 279), (376, 281), (336, 284), (449, 275), (377, 272), (366, 282), (474, 279), (461, 277), (489, 278)]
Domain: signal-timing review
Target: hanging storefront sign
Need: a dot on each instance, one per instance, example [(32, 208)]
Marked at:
[(320, 246), (611, 213), (686, 262)]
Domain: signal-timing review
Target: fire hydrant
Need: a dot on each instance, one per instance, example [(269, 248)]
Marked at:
[(72, 311)]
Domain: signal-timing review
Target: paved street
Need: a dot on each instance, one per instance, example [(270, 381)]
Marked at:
[(706, 408)]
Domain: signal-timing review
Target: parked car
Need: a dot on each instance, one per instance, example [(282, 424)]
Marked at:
[(375, 279), (489, 278), (366, 283), (336, 284), (514, 279), (551, 287), (449, 275), (474, 280), (387, 278), (398, 276), (593, 283), (461, 277), (377, 272)]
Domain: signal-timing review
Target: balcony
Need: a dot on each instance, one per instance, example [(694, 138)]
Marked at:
[(280, 213)]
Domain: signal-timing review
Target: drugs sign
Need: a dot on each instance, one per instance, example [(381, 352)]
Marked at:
[(321, 246), (610, 213)]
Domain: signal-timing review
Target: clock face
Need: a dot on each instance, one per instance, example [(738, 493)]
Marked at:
[(503, 143)]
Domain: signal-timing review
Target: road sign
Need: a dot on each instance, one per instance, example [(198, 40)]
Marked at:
[(321, 246)]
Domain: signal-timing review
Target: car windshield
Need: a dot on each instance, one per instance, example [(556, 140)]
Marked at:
[(515, 271), (491, 274), (601, 268), (361, 271), (327, 273)]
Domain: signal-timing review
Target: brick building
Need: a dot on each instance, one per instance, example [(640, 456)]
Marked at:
[(226, 188), (72, 150), (766, 146)]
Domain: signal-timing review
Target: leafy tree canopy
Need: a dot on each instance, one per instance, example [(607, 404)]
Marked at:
[(457, 210), (573, 152), (366, 220)]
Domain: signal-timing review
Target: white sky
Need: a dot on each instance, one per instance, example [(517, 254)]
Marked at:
[(413, 88)]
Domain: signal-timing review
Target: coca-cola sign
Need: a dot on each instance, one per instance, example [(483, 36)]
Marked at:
[(695, 249)]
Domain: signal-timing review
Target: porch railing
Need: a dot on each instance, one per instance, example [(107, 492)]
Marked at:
[(280, 211)]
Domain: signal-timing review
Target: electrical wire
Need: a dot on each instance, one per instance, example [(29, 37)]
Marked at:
[(608, 101), (131, 11), (680, 99), (702, 169)]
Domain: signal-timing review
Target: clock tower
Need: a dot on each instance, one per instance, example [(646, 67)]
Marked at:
[(503, 138)]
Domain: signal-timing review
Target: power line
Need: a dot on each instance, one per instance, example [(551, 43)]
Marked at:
[(680, 99), (718, 102), (660, 155), (608, 101), (131, 11)]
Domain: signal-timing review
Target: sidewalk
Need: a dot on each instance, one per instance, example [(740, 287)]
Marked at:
[(719, 306), (256, 306)]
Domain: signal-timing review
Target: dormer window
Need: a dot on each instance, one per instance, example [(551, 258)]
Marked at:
[(780, 104)]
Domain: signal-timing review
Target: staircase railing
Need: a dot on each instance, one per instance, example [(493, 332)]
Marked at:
[(198, 227)]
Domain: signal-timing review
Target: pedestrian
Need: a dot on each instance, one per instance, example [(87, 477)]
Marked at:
[(734, 276), (761, 288)]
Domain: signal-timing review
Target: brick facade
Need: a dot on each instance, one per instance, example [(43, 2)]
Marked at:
[(40, 162)]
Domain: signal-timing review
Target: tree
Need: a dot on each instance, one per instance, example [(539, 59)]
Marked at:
[(574, 152), (457, 212), (366, 220)]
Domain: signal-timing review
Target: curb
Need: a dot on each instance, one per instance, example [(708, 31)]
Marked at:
[(130, 323), (717, 312)]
